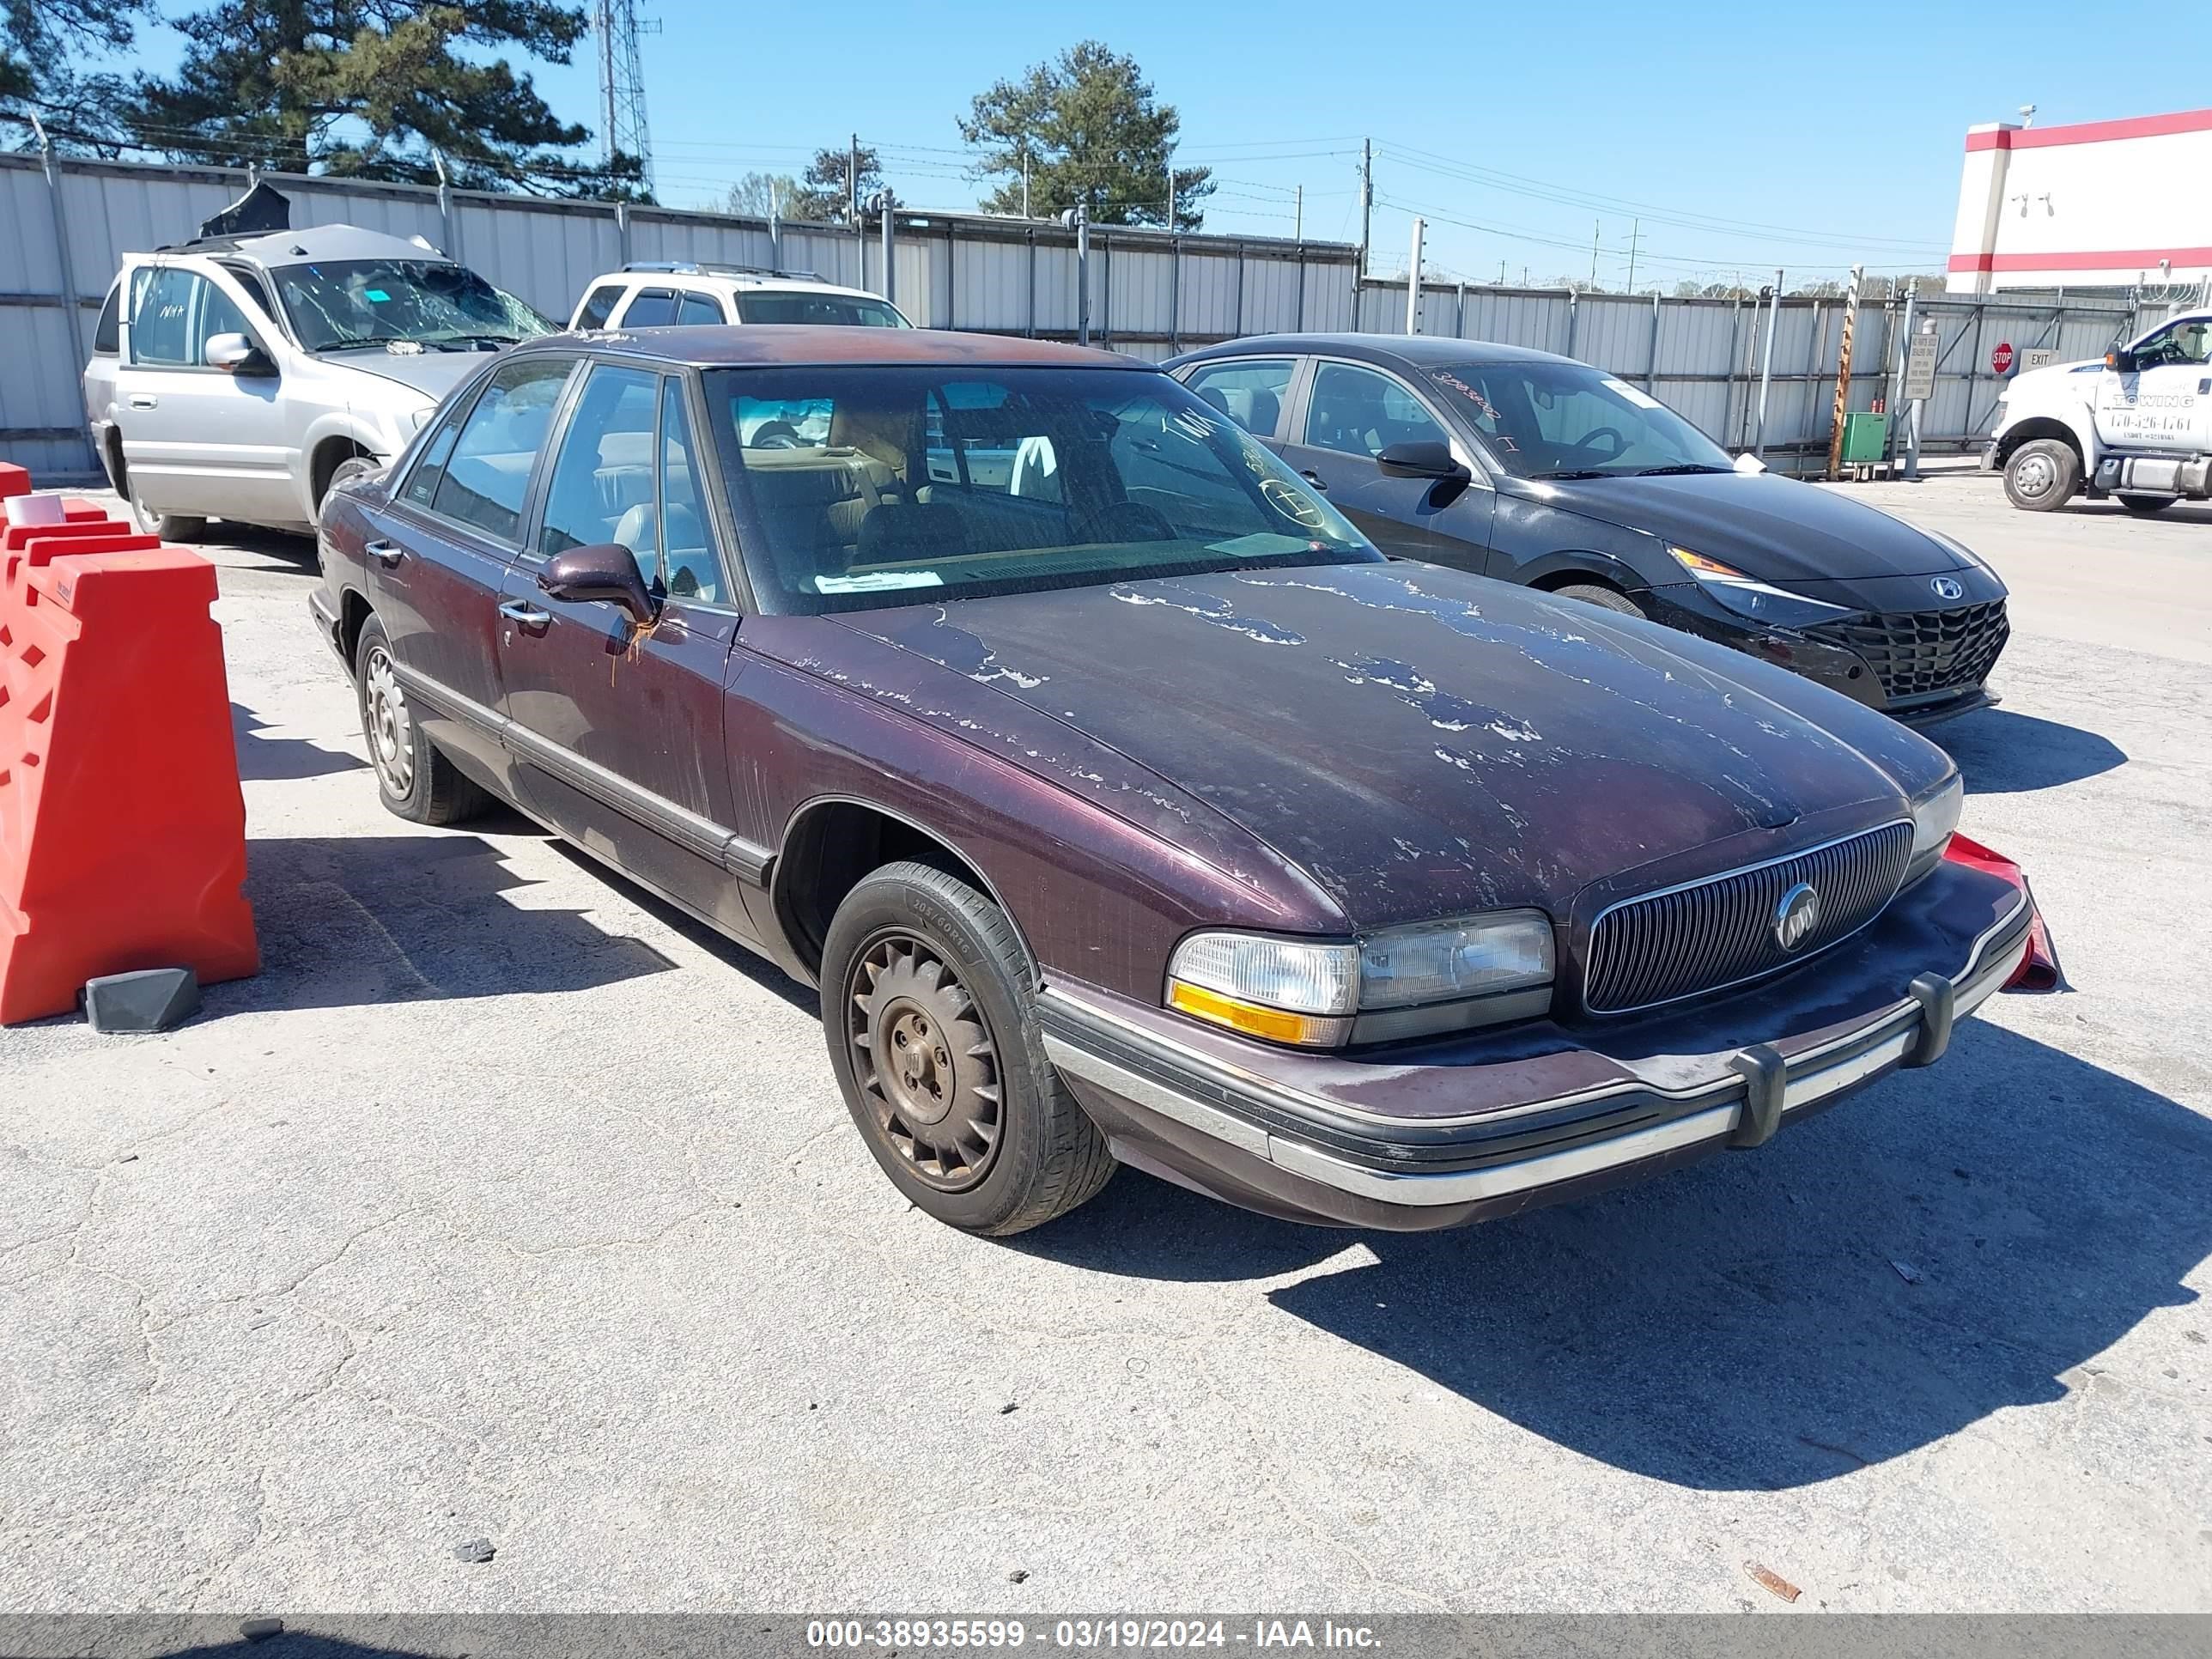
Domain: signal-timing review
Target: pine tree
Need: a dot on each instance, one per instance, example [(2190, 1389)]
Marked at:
[(1091, 132), (370, 90)]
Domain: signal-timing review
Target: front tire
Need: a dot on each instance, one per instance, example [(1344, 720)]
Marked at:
[(2041, 477), (1606, 598), (2144, 506), (352, 467), (414, 779), (927, 1005)]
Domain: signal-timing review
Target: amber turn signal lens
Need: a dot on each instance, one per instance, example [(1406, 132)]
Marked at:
[(1308, 1031)]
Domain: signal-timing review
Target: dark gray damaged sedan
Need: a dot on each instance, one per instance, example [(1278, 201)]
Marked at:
[(1125, 804)]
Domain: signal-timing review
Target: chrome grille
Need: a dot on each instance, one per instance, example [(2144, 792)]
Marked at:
[(1720, 931), (1916, 653)]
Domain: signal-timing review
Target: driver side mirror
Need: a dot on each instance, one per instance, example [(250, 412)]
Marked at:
[(2120, 359), (237, 354), (1427, 458), (604, 571)]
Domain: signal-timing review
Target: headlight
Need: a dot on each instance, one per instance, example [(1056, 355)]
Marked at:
[(1749, 597), (1401, 982), (1934, 818)]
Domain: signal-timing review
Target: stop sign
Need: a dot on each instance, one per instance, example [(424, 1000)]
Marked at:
[(2001, 359)]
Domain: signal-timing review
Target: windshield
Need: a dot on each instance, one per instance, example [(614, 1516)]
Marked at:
[(889, 486), (341, 303), (837, 310), (1545, 420)]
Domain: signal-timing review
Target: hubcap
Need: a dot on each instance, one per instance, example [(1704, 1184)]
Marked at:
[(925, 1060), (2035, 476), (387, 725)]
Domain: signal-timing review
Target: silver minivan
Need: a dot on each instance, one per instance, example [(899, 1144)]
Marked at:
[(237, 376)]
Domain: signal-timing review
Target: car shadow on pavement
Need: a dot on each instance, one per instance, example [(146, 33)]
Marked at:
[(2001, 753), (360, 920), (1949, 1244), (262, 760)]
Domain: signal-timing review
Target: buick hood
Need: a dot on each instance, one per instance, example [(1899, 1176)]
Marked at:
[(1423, 742), (1775, 529), (433, 373)]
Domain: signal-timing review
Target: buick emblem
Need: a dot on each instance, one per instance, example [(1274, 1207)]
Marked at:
[(1948, 588), (1796, 914)]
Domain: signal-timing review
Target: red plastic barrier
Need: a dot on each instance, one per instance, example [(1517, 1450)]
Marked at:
[(14, 480), (122, 826), (2039, 970)]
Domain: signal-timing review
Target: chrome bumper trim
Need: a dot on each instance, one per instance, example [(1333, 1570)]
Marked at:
[(1805, 1082)]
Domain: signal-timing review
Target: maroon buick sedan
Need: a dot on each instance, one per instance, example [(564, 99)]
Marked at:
[(1124, 803)]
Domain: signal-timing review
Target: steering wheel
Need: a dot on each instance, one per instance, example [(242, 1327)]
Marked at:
[(1588, 439), (1125, 521)]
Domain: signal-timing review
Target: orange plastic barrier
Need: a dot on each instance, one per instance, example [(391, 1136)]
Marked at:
[(122, 826), (14, 480)]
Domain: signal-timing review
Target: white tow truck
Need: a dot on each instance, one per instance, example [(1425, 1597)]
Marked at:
[(2135, 423)]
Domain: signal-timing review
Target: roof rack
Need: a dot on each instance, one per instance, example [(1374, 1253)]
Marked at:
[(709, 268)]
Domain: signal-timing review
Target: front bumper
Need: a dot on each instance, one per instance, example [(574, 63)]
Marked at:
[(1824, 661), (1477, 1127)]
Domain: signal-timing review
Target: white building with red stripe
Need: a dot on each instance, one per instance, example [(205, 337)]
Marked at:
[(2098, 204)]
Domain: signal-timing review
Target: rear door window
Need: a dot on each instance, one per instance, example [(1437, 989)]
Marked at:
[(1250, 393), (487, 476), (654, 308), (699, 308), (161, 317)]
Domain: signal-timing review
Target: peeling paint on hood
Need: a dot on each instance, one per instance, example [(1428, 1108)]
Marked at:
[(1424, 742)]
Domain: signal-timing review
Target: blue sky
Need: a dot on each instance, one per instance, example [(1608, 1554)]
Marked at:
[(1839, 133)]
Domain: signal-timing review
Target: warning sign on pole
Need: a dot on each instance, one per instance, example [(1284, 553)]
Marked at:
[(2001, 359), (1920, 367)]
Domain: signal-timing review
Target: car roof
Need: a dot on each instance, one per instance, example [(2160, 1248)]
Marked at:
[(752, 281), (751, 345), (279, 248), (1404, 350)]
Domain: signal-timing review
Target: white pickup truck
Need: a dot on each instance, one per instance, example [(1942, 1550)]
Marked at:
[(2137, 424)]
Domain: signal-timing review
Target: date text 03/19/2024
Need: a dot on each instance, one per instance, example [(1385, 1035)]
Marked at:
[(1113, 1633)]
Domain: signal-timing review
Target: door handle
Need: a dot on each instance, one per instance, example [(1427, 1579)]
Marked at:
[(528, 615), (1316, 481), (140, 400), (387, 554)]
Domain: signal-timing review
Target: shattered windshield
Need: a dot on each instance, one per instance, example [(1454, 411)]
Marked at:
[(336, 305), (911, 484)]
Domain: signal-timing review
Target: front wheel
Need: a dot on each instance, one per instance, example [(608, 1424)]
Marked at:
[(1606, 598), (2042, 476), (926, 1002), (2143, 506)]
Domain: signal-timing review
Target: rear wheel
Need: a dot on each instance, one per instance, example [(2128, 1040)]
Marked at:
[(169, 526), (927, 1005), (2144, 506), (2041, 477), (416, 781), (1607, 599)]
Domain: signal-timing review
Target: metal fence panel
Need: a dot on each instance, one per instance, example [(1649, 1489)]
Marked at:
[(1151, 295)]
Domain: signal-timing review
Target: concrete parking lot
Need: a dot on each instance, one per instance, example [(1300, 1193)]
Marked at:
[(506, 1205)]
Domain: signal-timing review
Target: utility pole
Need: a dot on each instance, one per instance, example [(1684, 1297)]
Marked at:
[(1171, 192), (853, 183), (1025, 184), (1767, 365), (1413, 279), (1501, 273), (1842, 402), (1366, 202), (884, 200), (1596, 231), (1078, 218), (1635, 230), (622, 84), (1298, 214)]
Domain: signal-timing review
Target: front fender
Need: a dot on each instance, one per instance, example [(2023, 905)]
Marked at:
[(332, 425)]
